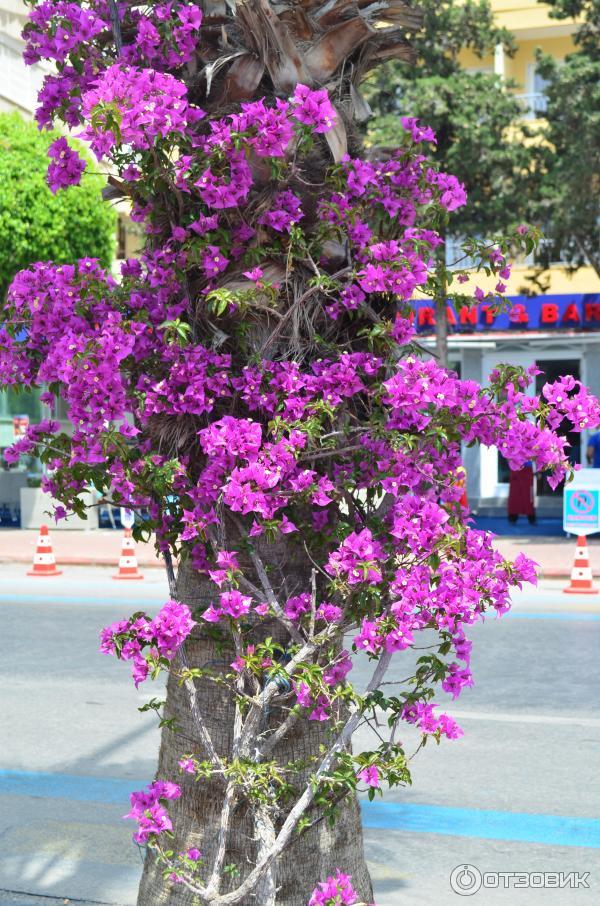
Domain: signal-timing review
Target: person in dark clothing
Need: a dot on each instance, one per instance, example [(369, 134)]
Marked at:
[(520, 494), (593, 451)]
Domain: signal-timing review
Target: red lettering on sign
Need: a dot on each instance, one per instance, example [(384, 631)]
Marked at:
[(592, 311), (451, 316), (571, 313), (489, 315), (518, 314), (549, 313), (426, 317), (468, 315)]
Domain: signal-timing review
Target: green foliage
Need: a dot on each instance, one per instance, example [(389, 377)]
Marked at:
[(570, 153), (36, 225), (471, 113)]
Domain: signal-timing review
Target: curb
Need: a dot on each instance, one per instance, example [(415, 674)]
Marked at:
[(549, 573), (83, 561)]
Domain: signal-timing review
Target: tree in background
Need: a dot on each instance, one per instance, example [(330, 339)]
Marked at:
[(479, 136), (568, 205), (251, 384), (37, 224)]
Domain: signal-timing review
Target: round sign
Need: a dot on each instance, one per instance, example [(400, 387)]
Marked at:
[(583, 501)]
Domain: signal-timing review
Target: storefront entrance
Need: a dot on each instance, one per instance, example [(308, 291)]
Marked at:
[(552, 369), (553, 364)]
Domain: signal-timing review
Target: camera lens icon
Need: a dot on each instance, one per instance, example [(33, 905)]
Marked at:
[(465, 880)]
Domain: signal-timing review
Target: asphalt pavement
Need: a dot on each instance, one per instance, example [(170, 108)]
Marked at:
[(519, 793)]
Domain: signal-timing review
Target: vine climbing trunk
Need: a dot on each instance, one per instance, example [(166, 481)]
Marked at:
[(197, 815)]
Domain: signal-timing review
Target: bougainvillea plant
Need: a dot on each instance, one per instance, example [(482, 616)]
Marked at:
[(252, 386)]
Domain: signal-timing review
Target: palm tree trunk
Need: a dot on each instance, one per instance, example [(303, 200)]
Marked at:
[(196, 816), (322, 44)]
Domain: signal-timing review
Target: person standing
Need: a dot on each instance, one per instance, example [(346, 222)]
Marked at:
[(593, 451), (521, 500)]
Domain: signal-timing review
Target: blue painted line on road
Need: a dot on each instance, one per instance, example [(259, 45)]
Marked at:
[(68, 786), (486, 824), (555, 830)]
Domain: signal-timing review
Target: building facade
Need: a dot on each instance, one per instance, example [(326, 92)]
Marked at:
[(560, 331)]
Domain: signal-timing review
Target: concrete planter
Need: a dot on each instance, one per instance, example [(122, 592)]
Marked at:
[(34, 506)]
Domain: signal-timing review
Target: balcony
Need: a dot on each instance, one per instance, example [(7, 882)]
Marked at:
[(534, 104)]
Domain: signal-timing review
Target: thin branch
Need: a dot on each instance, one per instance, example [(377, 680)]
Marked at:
[(214, 883), (205, 736), (280, 733), (116, 25), (236, 896), (171, 577)]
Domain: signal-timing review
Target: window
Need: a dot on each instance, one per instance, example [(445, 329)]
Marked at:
[(455, 257), (534, 101)]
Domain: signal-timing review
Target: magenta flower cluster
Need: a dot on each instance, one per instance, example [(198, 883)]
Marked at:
[(336, 890), (146, 809), (140, 639), (66, 167), (131, 106)]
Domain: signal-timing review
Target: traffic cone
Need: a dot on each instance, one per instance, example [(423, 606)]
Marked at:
[(44, 563), (128, 565), (581, 574)]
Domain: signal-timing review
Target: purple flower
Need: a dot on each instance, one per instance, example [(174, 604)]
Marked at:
[(369, 775), (319, 712), (357, 558), (284, 214), (146, 809), (337, 671), (66, 166), (234, 604), (336, 890), (313, 108), (419, 133), (213, 261), (303, 695)]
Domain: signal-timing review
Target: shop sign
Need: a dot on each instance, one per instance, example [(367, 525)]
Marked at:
[(20, 426), (547, 313)]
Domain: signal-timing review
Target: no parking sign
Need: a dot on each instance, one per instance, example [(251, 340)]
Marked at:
[(581, 511)]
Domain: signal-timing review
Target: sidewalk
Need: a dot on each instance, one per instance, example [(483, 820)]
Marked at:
[(103, 547), (554, 555)]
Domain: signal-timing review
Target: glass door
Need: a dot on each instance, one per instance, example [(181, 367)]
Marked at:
[(494, 468), (551, 370)]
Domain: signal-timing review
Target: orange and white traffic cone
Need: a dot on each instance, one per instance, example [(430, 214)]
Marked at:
[(128, 565), (581, 574), (44, 563)]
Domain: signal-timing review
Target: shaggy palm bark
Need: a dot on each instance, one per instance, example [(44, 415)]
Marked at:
[(251, 50), (197, 815)]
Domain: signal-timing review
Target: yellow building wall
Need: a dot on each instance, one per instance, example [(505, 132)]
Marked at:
[(533, 29), (584, 280), (523, 17)]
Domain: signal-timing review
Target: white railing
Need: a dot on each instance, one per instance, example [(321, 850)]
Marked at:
[(533, 104)]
